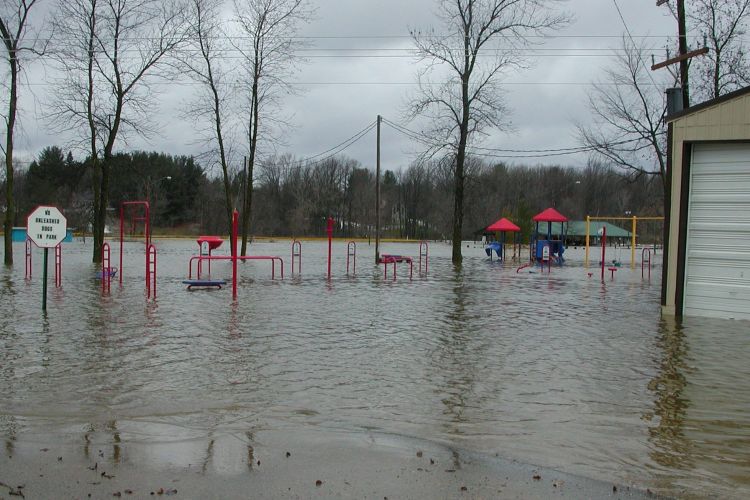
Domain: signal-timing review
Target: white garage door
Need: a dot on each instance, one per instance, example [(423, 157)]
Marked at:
[(717, 269)]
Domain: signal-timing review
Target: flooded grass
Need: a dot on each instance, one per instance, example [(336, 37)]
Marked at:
[(558, 370)]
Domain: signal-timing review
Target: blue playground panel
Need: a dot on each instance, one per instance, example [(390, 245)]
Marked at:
[(19, 235), (556, 248)]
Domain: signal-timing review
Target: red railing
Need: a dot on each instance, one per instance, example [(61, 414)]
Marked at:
[(151, 271), (351, 251), (58, 266), (646, 253), (423, 251), (28, 258), (106, 269), (201, 258), (297, 253)]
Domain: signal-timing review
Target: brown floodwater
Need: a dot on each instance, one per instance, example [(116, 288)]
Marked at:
[(558, 370)]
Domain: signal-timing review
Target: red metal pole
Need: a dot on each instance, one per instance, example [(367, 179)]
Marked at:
[(329, 229), (235, 217), (604, 246)]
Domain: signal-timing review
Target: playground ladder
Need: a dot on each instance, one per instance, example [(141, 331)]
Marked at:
[(106, 269), (151, 271), (351, 251), (423, 251), (297, 252)]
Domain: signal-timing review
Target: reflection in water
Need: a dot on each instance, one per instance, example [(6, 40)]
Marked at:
[(672, 448), (553, 369)]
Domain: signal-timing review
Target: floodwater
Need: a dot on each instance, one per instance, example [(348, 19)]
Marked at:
[(558, 370)]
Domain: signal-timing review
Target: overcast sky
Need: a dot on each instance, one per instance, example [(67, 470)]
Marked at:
[(342, 95)]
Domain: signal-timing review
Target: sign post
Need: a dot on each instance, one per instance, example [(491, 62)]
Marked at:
[(46, 227)]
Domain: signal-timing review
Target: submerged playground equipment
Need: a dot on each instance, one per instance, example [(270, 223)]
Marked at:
[(500, 228), (633, 234), (548, 246), (136, 216)]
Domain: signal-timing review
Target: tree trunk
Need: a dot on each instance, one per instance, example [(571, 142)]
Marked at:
[(246, 212), (10, 206)]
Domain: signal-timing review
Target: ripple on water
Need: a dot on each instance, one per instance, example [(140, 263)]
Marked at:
[(557, 369)]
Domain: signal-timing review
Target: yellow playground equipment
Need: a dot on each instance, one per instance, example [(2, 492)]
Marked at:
[(634, 220)]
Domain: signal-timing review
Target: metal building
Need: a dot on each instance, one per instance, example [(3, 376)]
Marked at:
[(707, 266)]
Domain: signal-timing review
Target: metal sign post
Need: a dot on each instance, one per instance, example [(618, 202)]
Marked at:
[(46, 227)]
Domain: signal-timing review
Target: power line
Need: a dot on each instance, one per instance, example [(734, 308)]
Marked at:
[(627, 30)]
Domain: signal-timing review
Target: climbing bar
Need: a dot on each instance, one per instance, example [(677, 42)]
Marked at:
[(28, 258), (646, 256), (297, 255), (58, 266), (151, 271), (351, 251), (106, 269), (423, 251)]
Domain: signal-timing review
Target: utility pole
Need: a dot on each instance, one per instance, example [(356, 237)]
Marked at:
[(377, 197), (684, 56)]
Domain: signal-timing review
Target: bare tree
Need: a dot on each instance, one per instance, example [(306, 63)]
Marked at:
[(268, 50), (628, 110), (115, 48), (14, 28), (478, 41), (723, 25), (206, 40)]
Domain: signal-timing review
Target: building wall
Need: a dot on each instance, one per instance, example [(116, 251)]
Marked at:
[(723, 122)]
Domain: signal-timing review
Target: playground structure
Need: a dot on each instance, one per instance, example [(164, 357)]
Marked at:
[(633, 235), (552, 247), (58, 263), (386, 259), (500, 228), (208, 243)]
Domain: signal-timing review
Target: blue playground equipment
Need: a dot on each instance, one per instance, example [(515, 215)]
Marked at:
[(549, 246)]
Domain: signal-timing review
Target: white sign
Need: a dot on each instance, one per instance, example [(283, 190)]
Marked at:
[(545, 253), (46, 227)]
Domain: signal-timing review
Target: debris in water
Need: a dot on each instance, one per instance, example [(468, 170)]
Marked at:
[(536, 477), (318, 483), (419, 454), (116, 494), (288, 454), (128, 492), (108, 476), (463, 488), (614, 489), (95, 466), (432, 462), (171, 492)]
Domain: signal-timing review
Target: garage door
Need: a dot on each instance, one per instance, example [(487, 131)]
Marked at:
[(717, 267)]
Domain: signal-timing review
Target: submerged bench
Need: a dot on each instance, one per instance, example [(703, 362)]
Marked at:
[(204, 283)]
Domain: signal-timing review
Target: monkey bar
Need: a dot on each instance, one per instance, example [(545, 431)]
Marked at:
[(146, 218)]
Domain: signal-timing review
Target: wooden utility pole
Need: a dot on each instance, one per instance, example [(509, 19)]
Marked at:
[(377, 197), (684, 56)]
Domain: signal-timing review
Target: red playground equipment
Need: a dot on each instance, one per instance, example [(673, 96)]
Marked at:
[(146, 219), (216, 241), (297, 254), (58, 263), (386, 259)]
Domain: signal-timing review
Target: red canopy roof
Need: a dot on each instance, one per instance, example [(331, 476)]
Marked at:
[(550, 215), (503, 225)]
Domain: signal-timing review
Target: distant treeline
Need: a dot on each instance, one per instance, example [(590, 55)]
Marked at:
[(294, 199)]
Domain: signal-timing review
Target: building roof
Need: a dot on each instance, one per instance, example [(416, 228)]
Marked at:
[(578, 228), (707, 104), (503, 225), (550, 215)]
